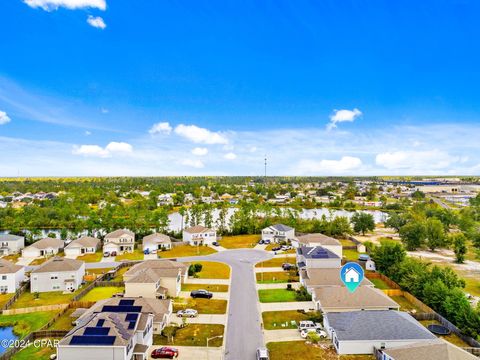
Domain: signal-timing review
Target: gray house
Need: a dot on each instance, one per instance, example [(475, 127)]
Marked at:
[(317, 257), (57, 274), (11, 244)]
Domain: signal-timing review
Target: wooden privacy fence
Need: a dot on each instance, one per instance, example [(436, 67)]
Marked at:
[(19, 292), (55, 307), (375, 275)]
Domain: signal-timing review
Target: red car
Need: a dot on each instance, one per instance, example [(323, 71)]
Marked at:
[(165, 353)]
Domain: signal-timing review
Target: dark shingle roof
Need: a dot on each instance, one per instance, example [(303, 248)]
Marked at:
[(8, 237), (281, 227), (316, 252)]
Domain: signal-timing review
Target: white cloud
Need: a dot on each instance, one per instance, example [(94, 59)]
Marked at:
[(50, 5), (96, 22), (252, 149), (345, 164), (88, 133), (97, 151), (230, 156), (343, 116), (104, 110), (4, 118), (193, 163), (199, 151), (200, 135), (161, 128), (415, 160)]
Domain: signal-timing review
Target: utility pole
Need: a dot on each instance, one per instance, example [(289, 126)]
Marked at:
[(265, 168)]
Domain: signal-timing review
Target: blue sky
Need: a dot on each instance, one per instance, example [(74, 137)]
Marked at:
[(102, 87)]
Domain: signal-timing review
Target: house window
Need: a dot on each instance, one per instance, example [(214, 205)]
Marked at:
[(56, 287), (54, 277), (4, 277)]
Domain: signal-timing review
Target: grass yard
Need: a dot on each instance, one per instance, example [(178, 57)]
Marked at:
[(137, 254), (203, 306), (193, 335), (278, 320), (472, 282), (27, 299), (13, 257), (300, 350), (186, 250), (277, 262), (276, 295), (276, 277), (405, 305), (95, 257), (452, 338), (347, 242), (102, 292), (208, 287), (213, 270), (38, 261), (4, 298), (119, 275), (380, 284), (239, 241), (351, 255), (64, 322), (36, 352), (23, 324)]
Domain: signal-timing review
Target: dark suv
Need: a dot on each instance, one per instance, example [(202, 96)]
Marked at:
[(287, 266), (201, 294)]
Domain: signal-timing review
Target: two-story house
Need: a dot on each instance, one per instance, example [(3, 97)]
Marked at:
[(199, 235), (120, 241), (57, 274), (11, 276), (11, 244), (278, 232)]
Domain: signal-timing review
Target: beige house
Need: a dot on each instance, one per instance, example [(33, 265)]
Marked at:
[(312, 278), (44, 247), (317, 239), (199, 235), (82, 246), (155, 279), (120, 241), (339, 299), (430, 350), (57, 274), (154, 242)]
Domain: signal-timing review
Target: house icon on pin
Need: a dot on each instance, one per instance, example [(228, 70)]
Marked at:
[(352, 275)]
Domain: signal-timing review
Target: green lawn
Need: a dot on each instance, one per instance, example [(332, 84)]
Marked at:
[(405, 305), (203, 306), (277, 320), (4, 298), (23, 324), (380, 284), (208, 287), (27, 299), (137, 254), (276, 295), (300, 350), (239, 241), (193, 335), (13, 257), (102, 292), (213, 270), (452, 338), (36, 352), (186, 250), (277, 262), (351, 255), (276, 277), (95, 257), (347, 242), (64, 322)]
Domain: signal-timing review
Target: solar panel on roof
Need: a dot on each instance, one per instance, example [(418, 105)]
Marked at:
[(132, 317), (96, 331), (121, 308), (100, 322), (126, 302), (92, 340), (131, 325)]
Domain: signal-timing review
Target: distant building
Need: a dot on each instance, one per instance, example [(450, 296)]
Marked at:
[(199, 235), (278, 232), (44, 247), (11, 244), (120, 241), (11, 276), (57, 274)]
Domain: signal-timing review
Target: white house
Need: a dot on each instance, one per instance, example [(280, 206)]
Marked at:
[(11, 276), (120, 241), (57, 274), (317, 257), (82, 246), (278, 232), (156, 242), (11, 244), (322, 240), (199, 235), (43, 247)]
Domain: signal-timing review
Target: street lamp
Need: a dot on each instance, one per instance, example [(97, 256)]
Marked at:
[(208, 339)]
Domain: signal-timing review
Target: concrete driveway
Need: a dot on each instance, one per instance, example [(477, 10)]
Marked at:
[(282, 335), (193, 352), (283, 306), (203, 319)]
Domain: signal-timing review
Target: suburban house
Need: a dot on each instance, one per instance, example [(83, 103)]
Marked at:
[(386, 329), (156, 242), (199, 235), (317, 257), (120, 241), (43, 247), (317, 239), (11, 276), (161, 309), (339, 298), (82, 246), (430, 350), (155, 279), (314, 277), (118, 332), (57, 274), (11, 244), (278, 232)]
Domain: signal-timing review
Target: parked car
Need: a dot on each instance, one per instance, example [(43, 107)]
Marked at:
[(165, 352), (201, 294), (287, 266), (308, 325), (261, 242), (154, 251), (277, 248), (113, 253), (285, 247), (191, 313), (146, 251), (262, 354), (106, 254), (304, 333), (266, 241), (215, 243)]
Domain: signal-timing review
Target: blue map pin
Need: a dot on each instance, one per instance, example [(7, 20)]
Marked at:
[(352, 275)]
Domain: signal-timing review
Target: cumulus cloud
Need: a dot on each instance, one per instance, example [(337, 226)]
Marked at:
[(199, 151), (98, 151), (4, 118), (230, 156), (416, 160), (96, 22), (200, 135), (161, 128), (50, 5), (339, 116), (192, 163), (345, 164)]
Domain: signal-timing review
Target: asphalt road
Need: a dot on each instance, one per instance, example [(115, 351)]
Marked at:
[(244, 333)]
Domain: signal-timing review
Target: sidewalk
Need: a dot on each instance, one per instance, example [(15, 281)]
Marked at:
[(295, 285), (217, 248), (268, 269), (207, 281), (283, 306)]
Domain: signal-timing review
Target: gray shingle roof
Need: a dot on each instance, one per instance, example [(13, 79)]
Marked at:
[(316, 252), (281, 227), (377, 325), (8, 237)]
